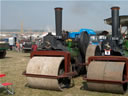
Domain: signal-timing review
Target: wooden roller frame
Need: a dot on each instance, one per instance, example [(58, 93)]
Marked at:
[(67, 58)]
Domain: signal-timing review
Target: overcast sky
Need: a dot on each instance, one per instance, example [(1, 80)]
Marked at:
[(76, 13)]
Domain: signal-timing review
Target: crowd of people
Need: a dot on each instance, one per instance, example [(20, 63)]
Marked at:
[(21, 47)]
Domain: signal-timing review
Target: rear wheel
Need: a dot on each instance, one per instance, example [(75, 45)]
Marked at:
[(2, 53), (83, 44), (81, 69)]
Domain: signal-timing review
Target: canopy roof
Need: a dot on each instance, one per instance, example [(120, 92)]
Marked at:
[(123, 20)]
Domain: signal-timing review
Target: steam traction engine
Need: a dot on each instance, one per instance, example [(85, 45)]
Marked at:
[(58, 59)]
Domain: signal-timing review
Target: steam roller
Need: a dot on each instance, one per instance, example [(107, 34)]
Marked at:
[(58, 59), (108, 71)]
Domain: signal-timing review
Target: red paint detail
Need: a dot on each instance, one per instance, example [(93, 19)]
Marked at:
[(67, 59), (65, 75)]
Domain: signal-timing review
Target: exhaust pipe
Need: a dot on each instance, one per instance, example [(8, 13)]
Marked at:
[(115, 23), (58, 23)]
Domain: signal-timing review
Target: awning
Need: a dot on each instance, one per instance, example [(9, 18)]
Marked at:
[(123, 20)]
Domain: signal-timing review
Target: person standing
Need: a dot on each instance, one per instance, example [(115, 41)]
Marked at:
[(34, 47), (21, 47), (18, 47)]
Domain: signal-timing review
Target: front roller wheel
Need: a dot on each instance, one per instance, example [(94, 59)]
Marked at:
[(112, 71), (53, 66)]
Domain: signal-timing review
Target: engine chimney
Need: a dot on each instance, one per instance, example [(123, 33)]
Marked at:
[(58, 18), (115, 22)]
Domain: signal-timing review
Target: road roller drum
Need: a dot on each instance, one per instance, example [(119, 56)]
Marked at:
[(44, 66), (100, 70), (90, 51), (107, 74)]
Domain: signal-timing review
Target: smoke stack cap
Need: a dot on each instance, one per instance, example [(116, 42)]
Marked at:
[(58, 8), (115, 8)]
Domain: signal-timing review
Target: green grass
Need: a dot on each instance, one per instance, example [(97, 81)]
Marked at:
[(15, 63)]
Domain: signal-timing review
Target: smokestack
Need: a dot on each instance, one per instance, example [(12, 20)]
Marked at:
[(58, 18), (115, 22)]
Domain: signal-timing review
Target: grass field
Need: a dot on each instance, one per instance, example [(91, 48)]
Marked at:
[(15, 63)]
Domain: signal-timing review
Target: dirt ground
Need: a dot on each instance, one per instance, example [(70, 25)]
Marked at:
[(15, 63)]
